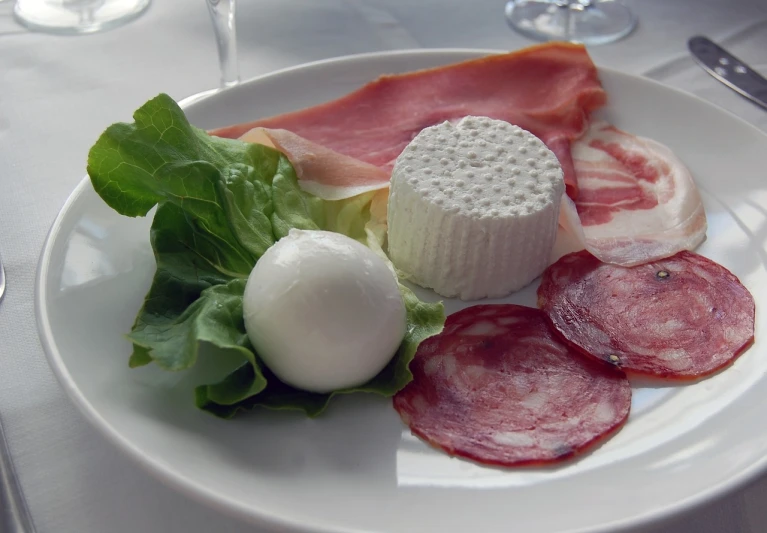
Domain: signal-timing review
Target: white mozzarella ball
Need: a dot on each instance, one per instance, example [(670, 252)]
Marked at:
[(323, 311)]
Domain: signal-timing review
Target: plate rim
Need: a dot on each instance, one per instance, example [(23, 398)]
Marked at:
[(263, 516)]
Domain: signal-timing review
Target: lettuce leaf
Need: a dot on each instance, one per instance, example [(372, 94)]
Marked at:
[(234, 393), (221, 204)]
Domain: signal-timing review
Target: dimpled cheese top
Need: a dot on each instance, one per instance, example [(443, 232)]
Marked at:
[(481, 167), (473, 208)]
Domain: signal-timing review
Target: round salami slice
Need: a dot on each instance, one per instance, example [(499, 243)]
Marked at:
[(498, 386), (682, 317)]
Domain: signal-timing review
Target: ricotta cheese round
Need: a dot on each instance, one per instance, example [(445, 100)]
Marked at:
[(323, 311), (474, 208)]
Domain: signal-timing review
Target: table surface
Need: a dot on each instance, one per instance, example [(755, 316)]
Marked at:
[(58, 93)]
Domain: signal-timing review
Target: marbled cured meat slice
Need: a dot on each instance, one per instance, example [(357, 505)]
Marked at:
[(548, 89), (637, 201), (498, 386), (682, 317)]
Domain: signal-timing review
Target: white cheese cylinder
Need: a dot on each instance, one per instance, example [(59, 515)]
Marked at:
[(474, 208)]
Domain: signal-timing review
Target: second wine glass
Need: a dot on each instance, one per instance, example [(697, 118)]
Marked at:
[(73, 17), (588, 22), (222, 13)]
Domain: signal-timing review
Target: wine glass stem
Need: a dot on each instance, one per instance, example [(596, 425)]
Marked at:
[(222, 13)]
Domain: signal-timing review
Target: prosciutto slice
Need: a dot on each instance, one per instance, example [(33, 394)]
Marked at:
[(548, 89), (637, 201), (634, 201), (321, 171)]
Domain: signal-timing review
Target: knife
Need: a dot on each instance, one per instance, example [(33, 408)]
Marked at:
[(14, 513), (730, 70)]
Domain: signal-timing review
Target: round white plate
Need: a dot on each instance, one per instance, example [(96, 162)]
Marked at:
[(357, 468)]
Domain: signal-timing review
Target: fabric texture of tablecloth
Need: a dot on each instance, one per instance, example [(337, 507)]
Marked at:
[(58, 93)]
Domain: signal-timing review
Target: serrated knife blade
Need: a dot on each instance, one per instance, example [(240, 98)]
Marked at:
[(730, 70)]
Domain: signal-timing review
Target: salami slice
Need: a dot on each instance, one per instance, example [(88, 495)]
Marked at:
[(682, 317), (499, 387)]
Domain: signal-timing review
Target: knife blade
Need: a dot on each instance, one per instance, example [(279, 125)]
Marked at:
[(730, 70), (14, 513)]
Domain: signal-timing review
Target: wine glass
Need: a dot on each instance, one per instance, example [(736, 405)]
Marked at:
[(222, 14), (588, 22), (76, 16)]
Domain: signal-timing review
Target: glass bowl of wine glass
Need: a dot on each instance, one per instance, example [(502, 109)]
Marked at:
[(69, 17), (589, 22)]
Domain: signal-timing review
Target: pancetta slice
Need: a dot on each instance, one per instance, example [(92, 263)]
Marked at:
[(637, 201)]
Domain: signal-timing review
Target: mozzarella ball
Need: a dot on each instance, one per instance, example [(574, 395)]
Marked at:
[(323, 311)]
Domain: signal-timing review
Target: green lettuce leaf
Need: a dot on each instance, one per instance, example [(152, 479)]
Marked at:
[(183, 273), (221, 204), (423, 321)]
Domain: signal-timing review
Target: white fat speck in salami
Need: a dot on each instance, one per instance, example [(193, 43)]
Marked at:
[(516, 395), (683, 317)]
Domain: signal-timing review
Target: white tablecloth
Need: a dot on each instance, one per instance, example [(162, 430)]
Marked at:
[(58, 93)]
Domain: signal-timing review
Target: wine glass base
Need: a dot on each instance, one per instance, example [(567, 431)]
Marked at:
[(70, 17), (587, 22)]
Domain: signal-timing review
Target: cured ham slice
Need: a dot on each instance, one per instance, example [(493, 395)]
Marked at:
[(548, 89), (321, 171), (498, 386), (637, 201), (683, 317)]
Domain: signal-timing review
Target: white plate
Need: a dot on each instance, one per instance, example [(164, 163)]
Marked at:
[(357, 469)]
